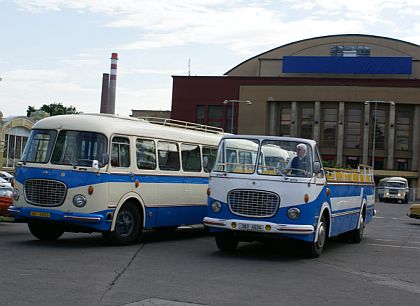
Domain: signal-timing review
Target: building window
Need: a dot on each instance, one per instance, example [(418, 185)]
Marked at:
[(401, 164), (215, 115), (200, 114), (352, 162), (380, 128), (306, 121), (329, 125), (353, 127), (285, 120), (402, 130)]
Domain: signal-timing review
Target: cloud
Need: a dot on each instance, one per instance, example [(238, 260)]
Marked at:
[(243, 26)]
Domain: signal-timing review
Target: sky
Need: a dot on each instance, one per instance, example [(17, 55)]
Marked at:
[(55, 51)]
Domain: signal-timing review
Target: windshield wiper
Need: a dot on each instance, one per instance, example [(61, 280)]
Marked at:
[(70, 159)]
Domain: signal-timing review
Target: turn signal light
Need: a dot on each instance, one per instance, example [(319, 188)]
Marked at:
[(90, 189), (306, 198), (208, 191)]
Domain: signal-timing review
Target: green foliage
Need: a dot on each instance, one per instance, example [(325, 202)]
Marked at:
[(330, 164), (53, 109)]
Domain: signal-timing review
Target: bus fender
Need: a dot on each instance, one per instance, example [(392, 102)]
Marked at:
[(324, 207), (361, 211), (127, 197)]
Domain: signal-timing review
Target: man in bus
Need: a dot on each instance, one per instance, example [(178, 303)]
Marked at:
[(301, 163)]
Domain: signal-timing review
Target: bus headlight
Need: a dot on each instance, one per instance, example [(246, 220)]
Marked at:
[(16, 194), (216, 207), (79, 200), (293, 213)]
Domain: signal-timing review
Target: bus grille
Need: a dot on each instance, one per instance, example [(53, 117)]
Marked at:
[(252, 203), (45, 192)]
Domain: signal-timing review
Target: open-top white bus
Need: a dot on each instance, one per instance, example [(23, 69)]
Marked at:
[(115, 175)]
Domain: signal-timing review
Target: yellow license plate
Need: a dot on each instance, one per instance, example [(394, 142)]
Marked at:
[(40, 214)]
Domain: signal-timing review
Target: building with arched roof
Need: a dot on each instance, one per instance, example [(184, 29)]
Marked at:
[(357, 95), (14, 133)]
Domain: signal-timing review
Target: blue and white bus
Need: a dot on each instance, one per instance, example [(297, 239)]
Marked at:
[(267, 187), (115, 175)]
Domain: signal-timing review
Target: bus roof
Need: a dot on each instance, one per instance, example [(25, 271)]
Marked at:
[(259, 137), (112, 124), (393, 179)]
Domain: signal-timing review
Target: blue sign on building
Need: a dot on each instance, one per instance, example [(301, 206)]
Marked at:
[(347, 65)]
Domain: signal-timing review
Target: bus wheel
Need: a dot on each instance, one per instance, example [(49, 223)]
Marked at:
[(356, 235), (45, 231), (128, 226), (225, 241), (314, 249)]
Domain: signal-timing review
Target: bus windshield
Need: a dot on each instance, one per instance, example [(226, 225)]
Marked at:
[(39, 146), (285, 158), (395, 184), (79, 148), (236, 155), (276, 157)]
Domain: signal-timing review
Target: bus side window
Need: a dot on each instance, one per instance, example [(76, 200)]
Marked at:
[(168, 156), (210, 154), (146, 154), (120, 156), (191, 160)]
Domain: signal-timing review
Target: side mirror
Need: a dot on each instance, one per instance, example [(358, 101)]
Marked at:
[(205, 162), (316, 167), (104, 160), (95, 164)]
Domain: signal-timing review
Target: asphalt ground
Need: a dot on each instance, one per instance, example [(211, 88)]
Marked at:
[(186, 268)]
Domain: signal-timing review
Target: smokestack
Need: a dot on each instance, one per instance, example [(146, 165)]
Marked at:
[(112, 83), (104, 95)]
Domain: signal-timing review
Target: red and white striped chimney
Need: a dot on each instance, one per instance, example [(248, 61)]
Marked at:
[(112, 83)]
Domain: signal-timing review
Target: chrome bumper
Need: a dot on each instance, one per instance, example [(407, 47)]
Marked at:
[(258, 226)]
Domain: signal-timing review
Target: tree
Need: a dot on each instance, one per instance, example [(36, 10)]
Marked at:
[(53, 109)]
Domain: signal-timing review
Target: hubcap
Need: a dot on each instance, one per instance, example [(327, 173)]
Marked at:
[(362, 225), (124, 224), (321, 235)]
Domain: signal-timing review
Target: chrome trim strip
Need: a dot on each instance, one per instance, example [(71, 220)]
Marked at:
[(345, 213), (80, 218), (275, 228)]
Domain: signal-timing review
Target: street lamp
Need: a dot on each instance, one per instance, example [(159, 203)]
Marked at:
[(233, 109), (374, 126)]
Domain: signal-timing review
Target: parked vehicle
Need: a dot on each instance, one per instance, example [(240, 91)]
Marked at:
[(6, 200), (115, 175), (393, 189), (252, 198), (4, 183), (414, 211), (6, 176)]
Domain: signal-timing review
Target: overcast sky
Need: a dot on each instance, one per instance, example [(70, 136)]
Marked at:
[(55, 51)]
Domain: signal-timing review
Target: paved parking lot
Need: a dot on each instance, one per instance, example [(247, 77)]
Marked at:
[(185, 267)]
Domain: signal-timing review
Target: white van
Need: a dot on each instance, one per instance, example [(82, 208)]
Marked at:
[(393, 189)]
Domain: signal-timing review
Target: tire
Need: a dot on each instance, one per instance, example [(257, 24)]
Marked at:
[(315, 249), (406, 199), (356, 235), (225, 241), (128, 226), (45, 231)]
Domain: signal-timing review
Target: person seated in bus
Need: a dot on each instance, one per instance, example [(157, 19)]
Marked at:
[(301, 163)]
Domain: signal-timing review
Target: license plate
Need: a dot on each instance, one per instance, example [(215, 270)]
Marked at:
[(40, 214), (251, 227)]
